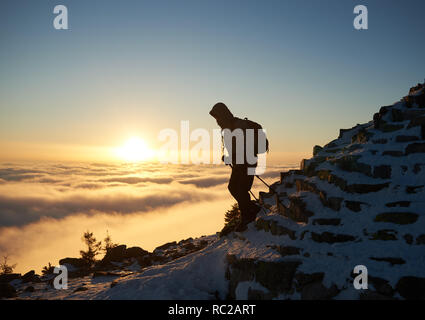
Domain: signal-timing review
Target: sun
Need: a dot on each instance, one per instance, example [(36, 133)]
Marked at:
[(134, 150)]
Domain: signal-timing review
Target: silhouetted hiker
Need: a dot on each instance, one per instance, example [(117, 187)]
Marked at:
[(240, 182)]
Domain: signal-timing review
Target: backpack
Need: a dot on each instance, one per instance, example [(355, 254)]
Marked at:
[(249, 124)]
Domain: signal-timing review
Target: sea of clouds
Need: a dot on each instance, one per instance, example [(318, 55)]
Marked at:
[(45, 206)]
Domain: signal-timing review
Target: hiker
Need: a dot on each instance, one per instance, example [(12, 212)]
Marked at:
[(240, 182)]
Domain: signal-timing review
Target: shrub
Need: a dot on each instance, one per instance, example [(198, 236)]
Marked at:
[(108, 243), (6, 268), (48, 269), (93, 248)]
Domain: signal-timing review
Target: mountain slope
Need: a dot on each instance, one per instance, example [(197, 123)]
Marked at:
[(358, 201)]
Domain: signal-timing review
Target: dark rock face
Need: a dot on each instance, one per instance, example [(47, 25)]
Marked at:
[(406, 138), (381, 286), (7, 290), (166, 246), (414, 189), (415, 148), (366, 188), (382, 172), (297, 210), (327, 222), (274, 228), (385, 235), (5, 278), (287, 250), (277, 277), (390, 260), (76, 262), (391, 127), (354, 205), (330, 237), (398, 204), (412, 288), (29, 289), (352, 164), (29, 276), (397, 217), (420, 239)]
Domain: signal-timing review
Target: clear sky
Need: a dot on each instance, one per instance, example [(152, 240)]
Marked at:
[(128, 68)]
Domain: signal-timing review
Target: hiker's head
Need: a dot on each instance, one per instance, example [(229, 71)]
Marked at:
[(222, 114)]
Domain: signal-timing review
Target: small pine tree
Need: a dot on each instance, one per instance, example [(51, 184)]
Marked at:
[(233, 215), (231, 219), (6, 268), (48, 269), (108, 243), (93, 248)]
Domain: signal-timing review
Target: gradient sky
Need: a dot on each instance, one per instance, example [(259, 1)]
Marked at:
[(136, 67)]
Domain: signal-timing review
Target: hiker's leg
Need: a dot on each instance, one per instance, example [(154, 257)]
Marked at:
[(239, 185)]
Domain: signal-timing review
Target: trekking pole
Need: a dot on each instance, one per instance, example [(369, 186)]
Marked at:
[(274, 191), (252, 194), (267, 185)]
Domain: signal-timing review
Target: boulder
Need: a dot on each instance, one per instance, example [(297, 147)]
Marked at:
[(316, 150), (414, 189), (381, 285), (75, 262), (7, 277), (397, 217), (7, 290), (366, 188), (415, 148), (116, 254), (412, 288), (29, 276), (135, 252), (166, 246)]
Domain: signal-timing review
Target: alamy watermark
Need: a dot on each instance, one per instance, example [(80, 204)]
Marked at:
[(361, 280), (361, 20), (239, 146), (61, 281)]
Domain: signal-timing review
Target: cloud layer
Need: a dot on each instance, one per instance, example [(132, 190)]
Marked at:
[(45, 207), (33, 191)]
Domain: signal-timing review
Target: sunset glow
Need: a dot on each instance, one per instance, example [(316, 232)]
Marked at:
[(135, 149)]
